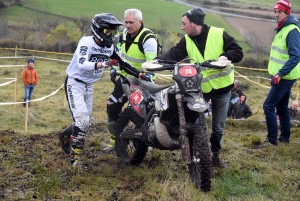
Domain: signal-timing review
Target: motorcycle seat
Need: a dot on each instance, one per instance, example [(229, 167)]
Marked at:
[(152, 87)]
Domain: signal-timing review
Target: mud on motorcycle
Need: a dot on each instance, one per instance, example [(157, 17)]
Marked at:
[(168, 118)]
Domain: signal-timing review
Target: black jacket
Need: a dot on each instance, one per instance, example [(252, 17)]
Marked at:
[(232, 51), (241, 110)]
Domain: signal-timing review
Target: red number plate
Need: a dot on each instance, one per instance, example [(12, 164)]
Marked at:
[(187, 71), (136, 97)]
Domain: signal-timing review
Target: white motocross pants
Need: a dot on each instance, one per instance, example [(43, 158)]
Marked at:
[(80, 99)]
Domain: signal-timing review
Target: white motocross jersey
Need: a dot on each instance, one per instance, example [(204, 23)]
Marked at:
[(88, 53)]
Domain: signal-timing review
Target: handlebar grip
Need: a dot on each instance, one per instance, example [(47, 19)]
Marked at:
[(216, 64)]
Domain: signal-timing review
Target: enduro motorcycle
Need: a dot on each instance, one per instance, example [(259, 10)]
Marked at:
[(168, 117)]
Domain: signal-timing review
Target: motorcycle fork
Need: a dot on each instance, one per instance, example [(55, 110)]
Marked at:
[(185, 144)]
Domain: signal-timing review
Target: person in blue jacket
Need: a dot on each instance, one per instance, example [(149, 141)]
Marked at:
[(284, 67)]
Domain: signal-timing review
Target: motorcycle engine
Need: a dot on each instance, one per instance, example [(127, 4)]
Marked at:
[(151, 133)]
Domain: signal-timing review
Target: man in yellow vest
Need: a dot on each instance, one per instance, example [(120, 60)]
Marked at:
[(139, 45), (284, 67), (203, 42)]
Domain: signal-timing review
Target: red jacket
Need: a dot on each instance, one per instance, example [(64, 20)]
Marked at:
[(29, 76)]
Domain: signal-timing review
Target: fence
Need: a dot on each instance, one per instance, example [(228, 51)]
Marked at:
[(249, 78)]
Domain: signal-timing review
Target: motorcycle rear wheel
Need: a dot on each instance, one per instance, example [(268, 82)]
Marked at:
[(200, 168), (130, 151)]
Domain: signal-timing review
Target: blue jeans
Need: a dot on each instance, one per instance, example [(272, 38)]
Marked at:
[(278, 98), (219, 104), (28, 92)]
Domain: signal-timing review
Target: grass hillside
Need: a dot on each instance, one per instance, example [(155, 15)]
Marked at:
[(33, 166), (159, 15), (270, 3)]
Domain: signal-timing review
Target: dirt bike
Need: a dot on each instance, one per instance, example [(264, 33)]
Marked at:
[(168, 117)]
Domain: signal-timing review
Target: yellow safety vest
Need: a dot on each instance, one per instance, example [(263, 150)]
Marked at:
[(212, 78), (279, 54), (134, 56)]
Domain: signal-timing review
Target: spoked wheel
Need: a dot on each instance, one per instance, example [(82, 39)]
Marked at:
[(130, 151), (200, 168)]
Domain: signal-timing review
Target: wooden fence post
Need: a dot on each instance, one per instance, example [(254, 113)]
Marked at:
[(16, 89), (26, 116)]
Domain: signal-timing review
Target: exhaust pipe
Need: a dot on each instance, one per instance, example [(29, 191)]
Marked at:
[(163, 136)]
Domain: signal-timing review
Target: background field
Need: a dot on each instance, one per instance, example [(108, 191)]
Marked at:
[(33, 166)]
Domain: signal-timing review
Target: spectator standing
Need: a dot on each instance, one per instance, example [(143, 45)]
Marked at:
[(241, 109), (203, 42), (91, 56), (284, 66), (30, 79), (139, 45)]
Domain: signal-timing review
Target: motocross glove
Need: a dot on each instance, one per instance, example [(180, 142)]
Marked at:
[(110, 63), (150, 75), (275, 80), (113, 75), (144, 77)]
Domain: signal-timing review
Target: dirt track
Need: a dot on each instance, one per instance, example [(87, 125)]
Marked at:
[(260, 31)]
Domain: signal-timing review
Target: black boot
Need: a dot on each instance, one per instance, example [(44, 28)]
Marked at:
[(64, 138), (217, 161)]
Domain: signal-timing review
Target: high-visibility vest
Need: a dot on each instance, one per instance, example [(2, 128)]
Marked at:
[(212, 78), (134, 56), (279, 54)]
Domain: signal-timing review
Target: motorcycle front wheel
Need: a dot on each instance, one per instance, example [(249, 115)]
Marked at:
[(130, 151), (200, 168)]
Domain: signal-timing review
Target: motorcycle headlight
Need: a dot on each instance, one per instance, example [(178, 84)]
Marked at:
[(189, 83)]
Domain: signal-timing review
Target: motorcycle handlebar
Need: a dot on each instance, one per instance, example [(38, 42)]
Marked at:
[(161, 65)]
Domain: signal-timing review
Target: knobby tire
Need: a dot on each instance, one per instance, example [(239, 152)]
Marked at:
[(130, 151), (200, 168)]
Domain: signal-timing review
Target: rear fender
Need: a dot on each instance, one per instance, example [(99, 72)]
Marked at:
[(195, 102)]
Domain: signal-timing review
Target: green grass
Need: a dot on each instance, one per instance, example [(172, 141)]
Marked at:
[(33, 165), (154, 14), (270, 3)]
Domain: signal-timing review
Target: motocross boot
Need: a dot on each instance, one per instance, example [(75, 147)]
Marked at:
[(77, 143), (64, 138), (111, 145), (111, 126), (217, 161)]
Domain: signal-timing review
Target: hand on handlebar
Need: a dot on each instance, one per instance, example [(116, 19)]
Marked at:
[(222, 58), (110, 63), (151, 76), (144, 77), (113, 75)]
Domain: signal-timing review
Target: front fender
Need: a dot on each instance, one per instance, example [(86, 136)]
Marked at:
[(195, 102)]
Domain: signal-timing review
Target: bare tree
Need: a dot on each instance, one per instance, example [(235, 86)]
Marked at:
[(41, 20), (84, 24), (3, 28), (258, 48), (20, 33)]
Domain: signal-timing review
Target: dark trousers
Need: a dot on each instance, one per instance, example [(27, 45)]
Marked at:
[(116, 101)]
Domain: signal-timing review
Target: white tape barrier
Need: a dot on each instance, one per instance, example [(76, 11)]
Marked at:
[(6, 83), (52, 59), (21, 57), (38, 99), (263, 78), (18, 57), (5, 66)]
